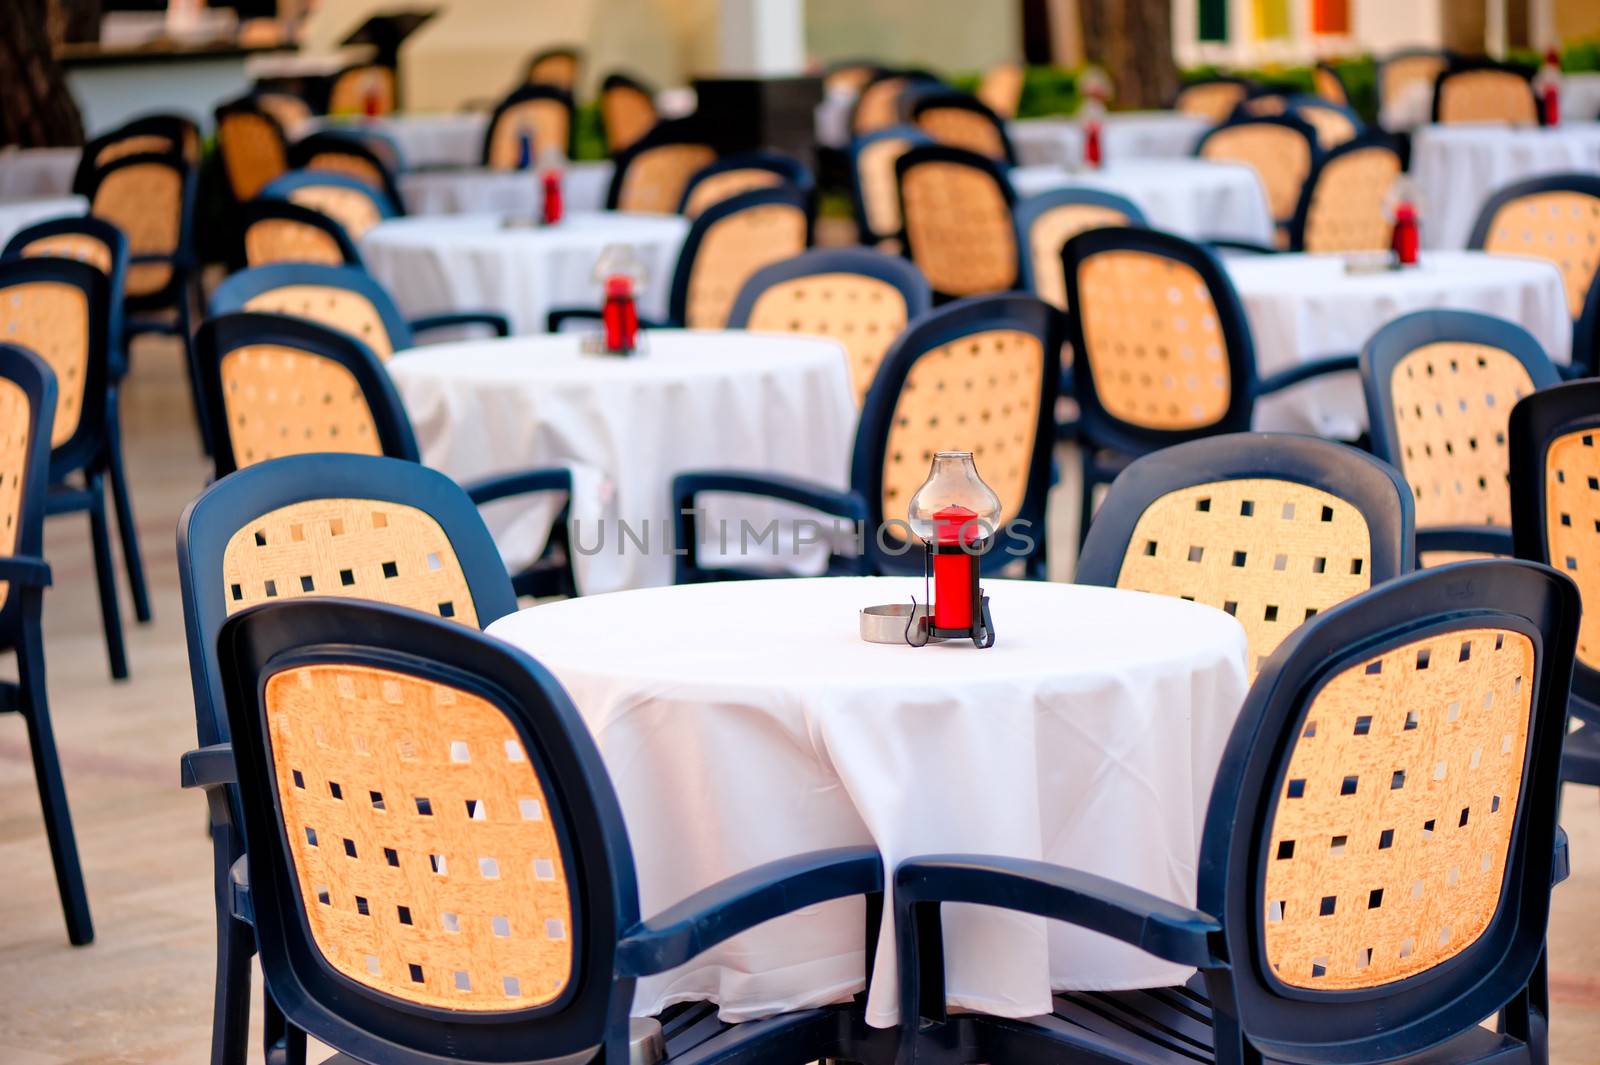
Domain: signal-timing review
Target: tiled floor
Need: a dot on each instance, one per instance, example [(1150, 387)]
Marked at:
[(142, 992)]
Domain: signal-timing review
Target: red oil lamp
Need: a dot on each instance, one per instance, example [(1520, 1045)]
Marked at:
[(553, 206), (1547, 83), (620, 274), (954, 514), (1405, 236)]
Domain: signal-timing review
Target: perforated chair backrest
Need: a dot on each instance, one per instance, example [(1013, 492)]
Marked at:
[(1555, 502), (89, 240), (1161, 344), (59, 311), (346, 526), (1334, 124), (958, 226), (27, 412), (1001, 89), (873, 185), (849, 76), (728, 243), (1281, 150), (151, 199), (881, 102), (556, 67), (1329, 85), (353, 204), (1440, 386), (979, 375), (1212, 99), (1556, 218), (541, 112), (370, 158), (653, 172), (744, 172), (253, 147), (961, 121), (147, 135), (1484, 92), (461, 900), (278, 231), (365, 89), (1343, 203), (277, 385), (289, 111), (1382, 824), (627, 111), (1269, 527), (1047, 220), (863, 299), (345, 298), (1409, 71)]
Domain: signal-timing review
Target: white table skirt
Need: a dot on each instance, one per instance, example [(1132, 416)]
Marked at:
[(474, 262), (832, 119), (478, 190), (626, 426), (452, 138), (747, 722), (1580, 97), (1457, 168), (21, 213), (1193, 198), (1304, 307), (37, 171), (1123, 135)]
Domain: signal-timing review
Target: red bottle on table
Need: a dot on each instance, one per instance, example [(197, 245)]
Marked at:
[(1405, 237), (553, 207), (1548, 84), (1091, 144), (952, 570), (620, 315), (370, 103)]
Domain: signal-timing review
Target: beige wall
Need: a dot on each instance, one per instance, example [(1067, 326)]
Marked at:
[(946, 35)]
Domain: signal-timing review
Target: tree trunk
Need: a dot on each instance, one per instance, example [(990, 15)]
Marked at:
[(38, 111), (1132, 41)]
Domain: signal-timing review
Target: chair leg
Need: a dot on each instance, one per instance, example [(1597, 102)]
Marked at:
[(197, 394), (122, 498), (285, 1044), (1086, 505), (230, 1012), (53, 792), (106, 576)]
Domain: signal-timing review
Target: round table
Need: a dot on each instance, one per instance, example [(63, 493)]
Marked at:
[(1123, 135), (1456, 168), (1194, 198), (453, 138), (1580, 97), (476, 189), (480, 262), (773, 403), (744, 722), (37, 171), (20, 213), (1303, 307)]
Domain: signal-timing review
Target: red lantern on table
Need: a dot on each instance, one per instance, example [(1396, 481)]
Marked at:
[(620, 315), (954, 514), (1406, 235), (554, 208), (1548, 84), (621, 275), (1091, 144)]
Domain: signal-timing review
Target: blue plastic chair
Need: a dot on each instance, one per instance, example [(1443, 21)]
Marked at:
[(901, 84), (340, 297), (741, 172), (959, 234), (1043, 217), (1553, 466), (28, 398), (1519, 220), (278, 231), (103, 246), (471, 997), (986, 410), (287, 185), (1516, 78), (674, 137), (363, 154), (1288, 130), (526, 100), (874, 190), (1271, 528), (1122, 412), (972, 114), (1334, 750), (1460, 394)]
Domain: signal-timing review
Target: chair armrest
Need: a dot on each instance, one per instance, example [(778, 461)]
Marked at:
[(743, 901), (1488, 539), (831, 501), (25, 570), (1305, 371), (1222, 244), (209, 767), (493, 319), (522, 482), (1561, 868), (1136, 917), (561, 315)]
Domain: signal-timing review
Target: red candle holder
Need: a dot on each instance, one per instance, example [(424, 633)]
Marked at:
[(954, 513), (1091, 144), (1405, 238), (554, 207), (620, 315)]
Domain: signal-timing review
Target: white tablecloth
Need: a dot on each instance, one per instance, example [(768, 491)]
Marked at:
[(627, 426), (1123, 135), (453, 138), (37, 171), (20, 213), (832, 119), (478, 190), (1580, 97), (1194, 198), (474, 262), (1303, 307), (1456, 168), (746, 722)]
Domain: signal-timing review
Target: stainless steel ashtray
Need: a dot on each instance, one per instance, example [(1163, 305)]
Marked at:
[(890, 623)]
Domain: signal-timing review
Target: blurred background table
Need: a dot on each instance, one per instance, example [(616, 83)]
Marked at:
[(749, 722), (425, 139), (24, 211), (1123, 135), (1191, 197), (626, 426), (477, 189), (477, 262), (1304, 307), (37, 171)]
